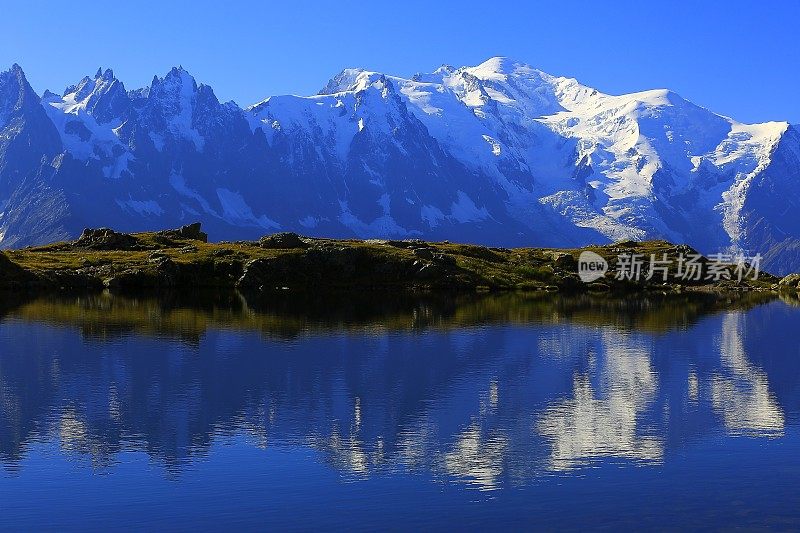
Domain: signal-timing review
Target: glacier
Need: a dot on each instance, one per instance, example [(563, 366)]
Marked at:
[(500, 153)]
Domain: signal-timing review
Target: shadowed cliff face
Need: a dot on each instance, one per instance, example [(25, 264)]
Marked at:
[(484, 389)]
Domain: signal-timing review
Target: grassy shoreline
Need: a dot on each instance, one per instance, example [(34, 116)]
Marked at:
[(183, 260)]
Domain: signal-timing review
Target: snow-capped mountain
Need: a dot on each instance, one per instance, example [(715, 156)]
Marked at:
[(500, 153)]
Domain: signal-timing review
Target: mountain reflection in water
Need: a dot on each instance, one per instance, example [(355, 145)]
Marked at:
[(488, 391)]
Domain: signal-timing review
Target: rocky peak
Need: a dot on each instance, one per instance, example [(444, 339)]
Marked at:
[(103, 96), (16, 94), (171, 103)]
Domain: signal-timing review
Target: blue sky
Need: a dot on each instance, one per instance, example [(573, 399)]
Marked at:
[(738, 58)]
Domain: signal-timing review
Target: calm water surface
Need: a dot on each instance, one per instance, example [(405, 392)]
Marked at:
[(398, 412)]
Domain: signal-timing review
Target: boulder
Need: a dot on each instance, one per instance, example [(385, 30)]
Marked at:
[(190, 232), (106, 239), (283, 241), (193, 232), (564, 261)]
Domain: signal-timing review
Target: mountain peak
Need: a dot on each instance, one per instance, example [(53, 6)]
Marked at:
[(445, 69), (172, 101), (176, 85), (107, 74), (16, 72), (15, 91), (87, 87), (499, 65), (20, 103), (176, 79), (345, 80), (102, 96)]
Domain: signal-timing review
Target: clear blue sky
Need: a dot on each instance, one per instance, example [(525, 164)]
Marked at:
[(739, 58)]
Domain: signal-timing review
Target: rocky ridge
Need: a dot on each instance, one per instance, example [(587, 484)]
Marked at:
[(182, 259)]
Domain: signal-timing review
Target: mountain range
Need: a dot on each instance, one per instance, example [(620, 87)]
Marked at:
[(499, 154)]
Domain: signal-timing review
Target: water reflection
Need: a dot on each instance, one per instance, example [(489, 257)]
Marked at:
[(488, 390), (740, 390), (605, 422)]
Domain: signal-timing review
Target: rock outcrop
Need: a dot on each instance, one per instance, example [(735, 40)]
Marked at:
[(283, 241), (105, 239), (192, 232)]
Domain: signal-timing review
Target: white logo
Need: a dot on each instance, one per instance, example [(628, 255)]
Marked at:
[(591, 267)]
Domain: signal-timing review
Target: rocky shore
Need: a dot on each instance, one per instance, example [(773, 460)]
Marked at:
[(183, 259)]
